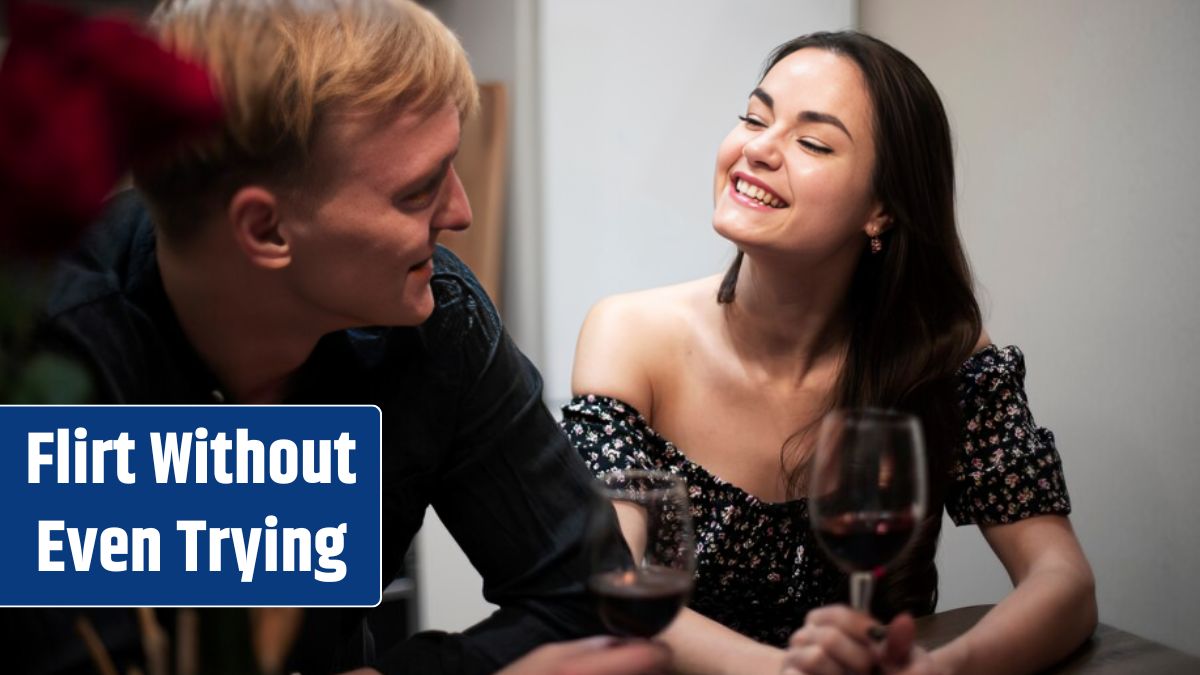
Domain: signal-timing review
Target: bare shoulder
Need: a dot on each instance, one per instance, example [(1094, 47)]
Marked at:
[(984, 340), (628, 341)]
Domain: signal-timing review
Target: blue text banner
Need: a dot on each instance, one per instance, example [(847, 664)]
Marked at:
[(190, 505)]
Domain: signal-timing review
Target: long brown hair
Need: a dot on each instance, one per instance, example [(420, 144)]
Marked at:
[(913, 318)]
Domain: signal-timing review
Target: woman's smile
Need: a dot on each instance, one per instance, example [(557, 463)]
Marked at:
[(751, 192)]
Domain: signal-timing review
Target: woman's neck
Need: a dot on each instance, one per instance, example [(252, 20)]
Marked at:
[(784, 322)]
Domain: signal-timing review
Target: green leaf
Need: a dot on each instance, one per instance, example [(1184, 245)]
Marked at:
[(52, 379), (23, 287)]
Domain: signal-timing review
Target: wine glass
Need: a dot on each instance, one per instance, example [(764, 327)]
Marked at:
[(641, 595), (867, 492)]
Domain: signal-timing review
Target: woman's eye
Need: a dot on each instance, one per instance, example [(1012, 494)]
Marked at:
[(815, 147), (752, 122)]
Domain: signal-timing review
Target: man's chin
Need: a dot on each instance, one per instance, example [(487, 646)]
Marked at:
[(408, 312), (420, 318), (416, 313)]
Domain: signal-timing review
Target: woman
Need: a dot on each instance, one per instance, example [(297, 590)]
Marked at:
[(850, 288)]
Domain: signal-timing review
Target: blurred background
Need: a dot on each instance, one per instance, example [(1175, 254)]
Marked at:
[(1078, 162)]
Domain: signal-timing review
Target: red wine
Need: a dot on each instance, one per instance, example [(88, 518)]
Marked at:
[(865, 541), (642, 602)]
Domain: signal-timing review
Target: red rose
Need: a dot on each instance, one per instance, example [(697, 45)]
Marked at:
[(80, 99)]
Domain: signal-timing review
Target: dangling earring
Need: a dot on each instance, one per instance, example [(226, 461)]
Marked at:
[(876, 245)]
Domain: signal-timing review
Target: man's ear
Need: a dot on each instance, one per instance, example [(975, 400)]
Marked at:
[(878, 222), (254, 216)]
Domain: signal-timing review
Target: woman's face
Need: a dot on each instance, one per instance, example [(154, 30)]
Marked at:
[(795, 174)]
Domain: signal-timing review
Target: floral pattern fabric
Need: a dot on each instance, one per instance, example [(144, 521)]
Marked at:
[(759, 569)]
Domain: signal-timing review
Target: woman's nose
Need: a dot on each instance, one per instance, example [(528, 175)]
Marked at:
[(763, 151)]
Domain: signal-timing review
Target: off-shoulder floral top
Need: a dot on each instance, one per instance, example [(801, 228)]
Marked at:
[(759, 568)]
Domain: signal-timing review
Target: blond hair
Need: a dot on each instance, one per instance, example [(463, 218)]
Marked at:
[(281, 67)]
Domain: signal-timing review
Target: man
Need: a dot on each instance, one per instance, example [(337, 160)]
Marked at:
[(293, 259)]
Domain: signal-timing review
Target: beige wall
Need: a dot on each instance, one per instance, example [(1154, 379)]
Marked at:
[(1079, 164)]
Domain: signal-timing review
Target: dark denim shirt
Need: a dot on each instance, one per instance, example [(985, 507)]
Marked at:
[(464, 430)]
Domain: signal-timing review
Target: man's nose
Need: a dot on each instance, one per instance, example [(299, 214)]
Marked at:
[(455, 212)]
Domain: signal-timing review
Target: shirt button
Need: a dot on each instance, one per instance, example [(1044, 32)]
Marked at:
[(218, 396)]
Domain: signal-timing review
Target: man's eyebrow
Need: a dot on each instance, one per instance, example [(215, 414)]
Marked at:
[(805, 116), (425, 179)]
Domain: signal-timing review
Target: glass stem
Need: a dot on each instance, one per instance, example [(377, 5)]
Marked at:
[(861, 585)]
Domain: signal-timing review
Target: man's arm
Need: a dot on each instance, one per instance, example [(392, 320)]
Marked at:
[(518, 504), (508, 487)]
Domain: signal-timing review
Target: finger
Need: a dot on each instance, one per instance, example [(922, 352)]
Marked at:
[(841, 647), (811, 660), (900, 635), (799, 638), (855, 624), (849, 653), (636, 658)]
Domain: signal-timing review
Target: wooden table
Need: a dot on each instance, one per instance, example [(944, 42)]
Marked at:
[(1109, 651)]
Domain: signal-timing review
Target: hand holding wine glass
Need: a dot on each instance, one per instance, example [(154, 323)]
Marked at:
[(642, 596)]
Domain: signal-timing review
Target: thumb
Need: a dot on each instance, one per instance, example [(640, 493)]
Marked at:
[(585, 645), (900, 636)]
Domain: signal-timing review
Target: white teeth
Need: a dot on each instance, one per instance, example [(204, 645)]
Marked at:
[(755, 192)]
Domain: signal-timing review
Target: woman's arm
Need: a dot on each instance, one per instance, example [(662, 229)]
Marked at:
[(619, 340), (616, 343), (1051, 610), (1012, 484), (699, 645)]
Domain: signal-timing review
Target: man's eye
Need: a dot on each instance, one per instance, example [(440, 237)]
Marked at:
[(752, 122), (422, 197)]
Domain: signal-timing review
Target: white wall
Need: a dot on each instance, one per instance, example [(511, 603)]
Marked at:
[(636, 96), (1079, 159), (619, 107)]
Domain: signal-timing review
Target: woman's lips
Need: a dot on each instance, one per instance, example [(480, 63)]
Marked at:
[(747, 201)]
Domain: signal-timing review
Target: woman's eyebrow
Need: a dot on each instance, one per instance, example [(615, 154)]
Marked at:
[(823, 118), (806, 115), (764, 96)]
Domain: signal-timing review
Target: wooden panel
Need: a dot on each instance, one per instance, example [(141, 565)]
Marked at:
[(482, 165)]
